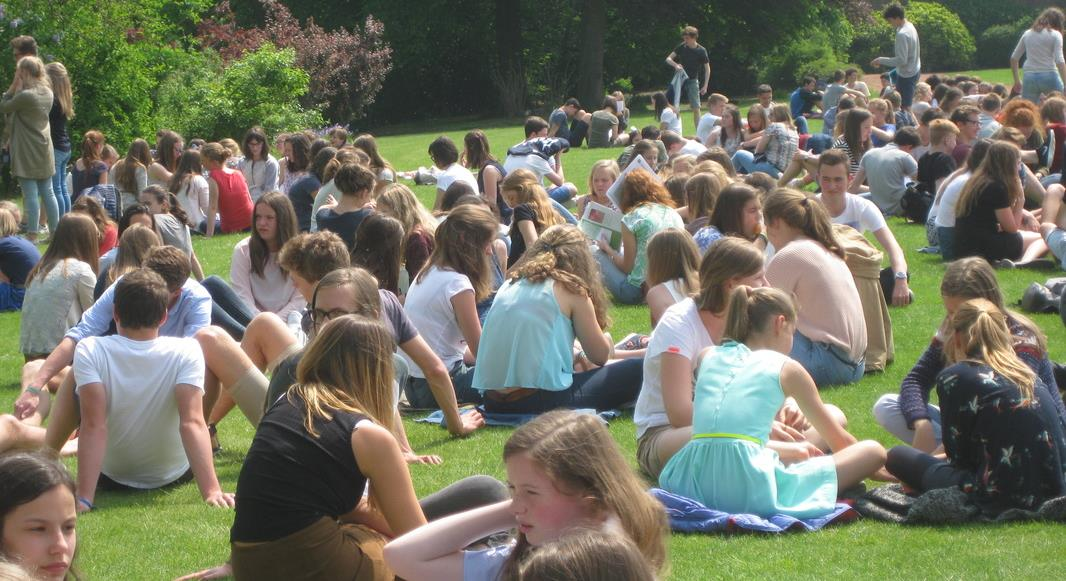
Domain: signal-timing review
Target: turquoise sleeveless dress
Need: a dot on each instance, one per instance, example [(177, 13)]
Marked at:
[(727, 466)]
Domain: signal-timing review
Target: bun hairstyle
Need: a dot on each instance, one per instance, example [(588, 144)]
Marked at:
[(797, 210), (216, 152), (980, 333), (752, 309)]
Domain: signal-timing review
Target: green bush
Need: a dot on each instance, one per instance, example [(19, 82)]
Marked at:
[(807, 56), (946, 43), (262, 88), (981, 15), (995, 45), (873, 38)]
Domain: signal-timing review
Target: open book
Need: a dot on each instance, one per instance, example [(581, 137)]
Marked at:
[(600, 222), (614, 193)]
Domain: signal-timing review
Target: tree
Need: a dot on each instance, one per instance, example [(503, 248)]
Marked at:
[(510, 74), (590, 55)]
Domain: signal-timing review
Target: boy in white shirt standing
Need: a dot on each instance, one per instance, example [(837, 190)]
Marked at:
[(138, 401)]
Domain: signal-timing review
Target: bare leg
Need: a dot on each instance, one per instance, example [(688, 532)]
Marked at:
[(265, 339), (226, 362), (857, 462), (16, 435), (65, 416), (671, 441), (1052, 207), (1033, 245), (815, 438)]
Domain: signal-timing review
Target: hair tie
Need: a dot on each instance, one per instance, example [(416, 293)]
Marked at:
[(806, 201)]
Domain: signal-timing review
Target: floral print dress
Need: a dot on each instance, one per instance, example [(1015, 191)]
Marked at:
[(1013, 446)]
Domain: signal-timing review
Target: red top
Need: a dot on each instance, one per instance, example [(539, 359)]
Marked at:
[(109, 239), (234, 202)]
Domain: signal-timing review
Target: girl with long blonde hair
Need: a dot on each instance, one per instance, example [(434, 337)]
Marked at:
[(130, 174), (62, 112), (27, 104), (602, 175), (1003, 439), (398, 201), (562, 463), (533, 211)]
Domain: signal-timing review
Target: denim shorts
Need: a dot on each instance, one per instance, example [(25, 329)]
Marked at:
[(827, 364), (1036, 84), (1056, 241), (691, 91)]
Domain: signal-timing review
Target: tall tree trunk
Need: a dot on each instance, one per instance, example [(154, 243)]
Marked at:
[(590, 56), (510, 74)]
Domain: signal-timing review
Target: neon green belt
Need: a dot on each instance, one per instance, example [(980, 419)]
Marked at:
[(729, 437)]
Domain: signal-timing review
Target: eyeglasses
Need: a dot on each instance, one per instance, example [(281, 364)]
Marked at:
[(320, 316)]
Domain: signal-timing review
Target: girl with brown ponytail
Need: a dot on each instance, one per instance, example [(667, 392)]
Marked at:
[(526, 359), (1002, 436), (809, 264)]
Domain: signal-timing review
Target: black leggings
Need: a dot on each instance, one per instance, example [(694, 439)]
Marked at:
[(468, 493), (922, 471)]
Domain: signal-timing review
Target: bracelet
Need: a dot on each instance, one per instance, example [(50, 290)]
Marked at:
[(86, 502), (35, 390)]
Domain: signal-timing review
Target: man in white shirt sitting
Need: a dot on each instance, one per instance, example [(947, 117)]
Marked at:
[(862, 215), (709, 121), (677, 145), (138, 402), (445, 157)]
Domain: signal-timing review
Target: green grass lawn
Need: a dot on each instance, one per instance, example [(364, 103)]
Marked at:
[(159, 535)]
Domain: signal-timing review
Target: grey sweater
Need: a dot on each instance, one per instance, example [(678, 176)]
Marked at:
[(907, 60)]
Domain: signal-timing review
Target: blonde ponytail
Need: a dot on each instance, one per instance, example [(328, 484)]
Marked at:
[(750, 311), (987, 339)]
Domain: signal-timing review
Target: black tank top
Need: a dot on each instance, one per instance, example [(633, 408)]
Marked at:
[(290, 479)]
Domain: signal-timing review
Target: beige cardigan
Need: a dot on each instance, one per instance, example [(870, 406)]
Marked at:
[(32, 156)]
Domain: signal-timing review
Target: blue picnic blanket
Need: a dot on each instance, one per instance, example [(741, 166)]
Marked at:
[(511, 420), (688, 516)]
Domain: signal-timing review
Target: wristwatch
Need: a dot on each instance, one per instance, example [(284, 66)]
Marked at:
[(902, 276)]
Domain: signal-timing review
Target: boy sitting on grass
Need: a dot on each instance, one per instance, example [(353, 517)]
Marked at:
[(138, 402)]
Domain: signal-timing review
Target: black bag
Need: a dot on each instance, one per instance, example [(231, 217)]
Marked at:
[(916, 203)]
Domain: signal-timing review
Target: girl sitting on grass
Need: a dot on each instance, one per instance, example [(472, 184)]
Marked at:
[(673, 264), (419, 226), (740, 386), (602, 175), (532, 211), (37, 515), (737, 212), (566, 472), (701, 195)]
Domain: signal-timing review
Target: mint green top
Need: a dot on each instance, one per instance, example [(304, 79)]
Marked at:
[(644, 221), (527, 341)]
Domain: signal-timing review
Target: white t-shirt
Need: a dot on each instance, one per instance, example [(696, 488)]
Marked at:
[(707, 123), (195, 199), (454, 173), (680, 331), (485, 565), (692, 147), (945, 214), (859, 213), (534, 163), (429, 306), (144, 448), (672, 120)]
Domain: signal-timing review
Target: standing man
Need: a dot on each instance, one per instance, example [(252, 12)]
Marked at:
[(692, 58), (907, 61)]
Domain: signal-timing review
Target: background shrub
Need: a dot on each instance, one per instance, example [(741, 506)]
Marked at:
[(947, 45), (996, 43)]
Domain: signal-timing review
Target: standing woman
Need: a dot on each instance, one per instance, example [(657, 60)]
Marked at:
[(60, 288), (169, 147), (61, 112), (228, 192), (90, 169), (384, 174), (27, 103), (830, 339), (666, 113), (297, 148), (989, 211), (1045, 69), (260, 169), (130, 175), (254, 271), (490, 172), (301, 513), (647, 209)]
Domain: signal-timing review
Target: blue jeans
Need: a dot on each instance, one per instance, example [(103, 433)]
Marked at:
[(33, 192), (562, 211), (744, 162), (1036, 84), (561, 194), (889, 414), (616, 281), (227, 308), (819, 142), (59, 181), (905, 88), (604, 388), (801, 125), (827, 364), (420, 396)]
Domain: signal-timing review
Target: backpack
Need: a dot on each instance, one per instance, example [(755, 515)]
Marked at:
[(916, 203)]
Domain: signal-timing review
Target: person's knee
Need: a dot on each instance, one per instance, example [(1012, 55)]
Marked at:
[(837, 414), (873, 452), (886, 407), (212, 339), (264, 324), (487, 488)]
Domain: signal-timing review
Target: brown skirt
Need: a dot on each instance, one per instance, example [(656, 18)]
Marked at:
[(323, 550)]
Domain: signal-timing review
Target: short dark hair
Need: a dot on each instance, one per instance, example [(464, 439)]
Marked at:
[(535, 124), (763, 88), (809, 79), (838, 75), (141, 298), (650, 132), (443, 151), (455, 191), (845, 103), (907, 136), (24, 45), (608, 102), (353, 178), (171, 263), (962, 112), (851, 71), (833, 157), (932, 115), (645, 146), (893, 10), (991, 103), (572, 102), (670, 138)]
